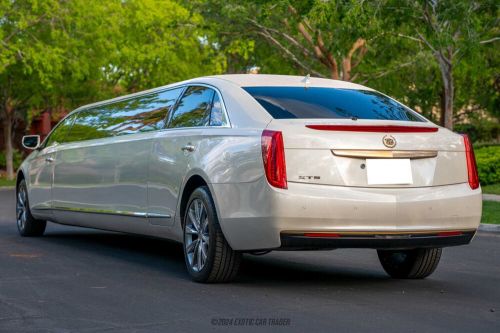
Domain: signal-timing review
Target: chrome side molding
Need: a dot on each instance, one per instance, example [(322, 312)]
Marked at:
[(110, 212)]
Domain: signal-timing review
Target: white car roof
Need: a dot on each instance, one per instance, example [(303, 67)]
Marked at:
[(254, 80)]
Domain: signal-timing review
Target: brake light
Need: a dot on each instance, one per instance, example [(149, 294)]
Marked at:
[(471, 163), (374, 128), (273, 155)]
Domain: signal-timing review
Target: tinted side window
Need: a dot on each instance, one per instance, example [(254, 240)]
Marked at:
[(193, 108), (324, 103), (91, 124), (140, 114), (59, 135), (217, 115)]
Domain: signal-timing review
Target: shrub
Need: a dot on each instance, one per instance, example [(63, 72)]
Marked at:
[(18, 158), (488, 164)]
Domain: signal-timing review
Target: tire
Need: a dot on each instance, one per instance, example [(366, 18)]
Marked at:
[(410, 264), (27, 225), (208, 256)]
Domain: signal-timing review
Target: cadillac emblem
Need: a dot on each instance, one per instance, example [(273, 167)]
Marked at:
[(389, 141)]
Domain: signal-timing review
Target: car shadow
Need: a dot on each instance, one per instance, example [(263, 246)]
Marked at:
[(168, 258)]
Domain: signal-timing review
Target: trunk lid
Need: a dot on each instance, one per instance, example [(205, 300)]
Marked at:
[(345, 152)]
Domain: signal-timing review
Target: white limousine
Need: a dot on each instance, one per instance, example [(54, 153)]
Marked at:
[(236, 164)]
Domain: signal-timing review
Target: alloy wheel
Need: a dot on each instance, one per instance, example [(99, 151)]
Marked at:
[(21, 207), (196, 235)]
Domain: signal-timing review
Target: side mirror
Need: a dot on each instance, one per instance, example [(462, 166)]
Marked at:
[(31, 141)]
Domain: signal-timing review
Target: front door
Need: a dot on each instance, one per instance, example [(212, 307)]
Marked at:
[(41, 172)]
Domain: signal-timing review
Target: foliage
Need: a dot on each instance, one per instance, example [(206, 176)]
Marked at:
[(480, 131), (488, 164), (18, 159)]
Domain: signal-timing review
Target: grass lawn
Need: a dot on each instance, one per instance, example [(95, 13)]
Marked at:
[(491, 189), (5, 182), (491, 212)]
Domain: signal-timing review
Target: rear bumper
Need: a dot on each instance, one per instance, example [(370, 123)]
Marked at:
[(374, 241), (255, 216)]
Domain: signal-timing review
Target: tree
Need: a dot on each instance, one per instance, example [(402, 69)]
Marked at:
[(60, 54), (24, 54), (452, 31), (323, 38)]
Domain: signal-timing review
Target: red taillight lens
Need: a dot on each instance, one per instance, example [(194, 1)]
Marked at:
[(471, 163), (273, 155)]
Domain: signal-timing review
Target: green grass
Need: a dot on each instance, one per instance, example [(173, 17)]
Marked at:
[(5, 182), (491, 189), (491, 212)]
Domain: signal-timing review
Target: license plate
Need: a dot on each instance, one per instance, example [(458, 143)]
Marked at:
[(389, 171)]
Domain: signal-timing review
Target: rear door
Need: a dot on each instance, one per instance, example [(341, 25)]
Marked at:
[(174, 148)]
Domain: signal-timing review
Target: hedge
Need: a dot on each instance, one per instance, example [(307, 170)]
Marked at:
[(488, 164)]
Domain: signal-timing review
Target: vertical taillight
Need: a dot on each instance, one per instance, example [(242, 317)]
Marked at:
[(471, 163), (273, 155)]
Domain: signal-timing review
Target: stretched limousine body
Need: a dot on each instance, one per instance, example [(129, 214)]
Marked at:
[(252, 163)]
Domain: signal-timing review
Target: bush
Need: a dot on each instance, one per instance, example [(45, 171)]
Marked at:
[(478, 132), (488, 164), (18, 158)]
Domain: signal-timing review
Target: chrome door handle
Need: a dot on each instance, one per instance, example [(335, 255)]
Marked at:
[(188, 147), (49, 159)]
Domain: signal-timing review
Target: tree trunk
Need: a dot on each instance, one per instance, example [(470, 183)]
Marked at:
[(445, 67), (9, 152)]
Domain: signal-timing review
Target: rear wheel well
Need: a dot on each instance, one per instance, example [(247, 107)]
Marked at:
[(192, 184)]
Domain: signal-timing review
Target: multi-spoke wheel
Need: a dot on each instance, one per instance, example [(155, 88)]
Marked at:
[(196, 236), (26, 223), (209, 258)]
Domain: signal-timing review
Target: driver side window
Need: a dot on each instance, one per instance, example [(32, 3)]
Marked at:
[(59, 134)]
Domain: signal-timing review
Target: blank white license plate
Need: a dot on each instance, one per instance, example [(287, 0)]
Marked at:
[(389, 171)]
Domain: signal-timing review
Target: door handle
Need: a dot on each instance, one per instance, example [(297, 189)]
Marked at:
[(49, 159), (189, 147)]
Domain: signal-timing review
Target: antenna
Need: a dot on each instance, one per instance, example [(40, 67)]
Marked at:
[(307, 81)]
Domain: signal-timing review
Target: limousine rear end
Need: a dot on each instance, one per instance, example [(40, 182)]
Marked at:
[(238, 164)]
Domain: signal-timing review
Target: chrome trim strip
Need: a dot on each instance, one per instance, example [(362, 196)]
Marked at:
[(412, 154), (111, 212)]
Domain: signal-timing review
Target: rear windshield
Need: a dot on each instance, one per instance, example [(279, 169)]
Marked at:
[(327, 103)]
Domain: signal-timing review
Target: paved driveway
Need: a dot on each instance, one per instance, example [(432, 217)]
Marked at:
[(80, 280)]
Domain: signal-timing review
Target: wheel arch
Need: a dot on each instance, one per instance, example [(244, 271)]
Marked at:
[(194, 179)]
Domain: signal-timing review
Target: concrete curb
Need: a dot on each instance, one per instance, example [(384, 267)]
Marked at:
[(491, 197), (5, 188), (489, 227)]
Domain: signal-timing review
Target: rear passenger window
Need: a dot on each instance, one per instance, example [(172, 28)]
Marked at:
[(193, 109), (217, 115)]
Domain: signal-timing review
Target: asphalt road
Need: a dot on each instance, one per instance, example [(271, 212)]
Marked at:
[(81, 280)]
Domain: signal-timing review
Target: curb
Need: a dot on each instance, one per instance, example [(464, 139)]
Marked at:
[(5, 188), (489, 227), (491, 197)]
